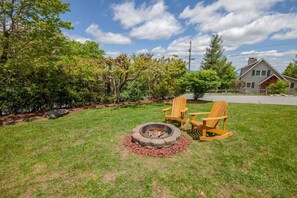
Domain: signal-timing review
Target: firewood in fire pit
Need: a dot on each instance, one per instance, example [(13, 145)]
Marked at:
[(155, 133)]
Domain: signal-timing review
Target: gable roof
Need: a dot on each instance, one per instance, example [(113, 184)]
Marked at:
[(289, 78), (248, 65), (268, 78), (257, 63)]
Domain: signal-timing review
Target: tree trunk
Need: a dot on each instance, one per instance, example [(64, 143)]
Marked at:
[(4, 55)]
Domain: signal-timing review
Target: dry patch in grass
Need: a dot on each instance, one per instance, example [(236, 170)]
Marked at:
[(231, 189), (110, 176), (160, 191), (39, 168)]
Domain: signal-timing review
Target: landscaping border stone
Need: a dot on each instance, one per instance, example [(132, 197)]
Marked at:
[(182, 145)]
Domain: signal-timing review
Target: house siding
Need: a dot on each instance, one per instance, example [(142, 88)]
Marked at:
[(293, 89), (248, 78)]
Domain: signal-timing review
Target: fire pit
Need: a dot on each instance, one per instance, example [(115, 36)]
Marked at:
[(156, 135)]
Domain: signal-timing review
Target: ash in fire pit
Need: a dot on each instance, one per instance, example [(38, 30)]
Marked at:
[(156, 135)]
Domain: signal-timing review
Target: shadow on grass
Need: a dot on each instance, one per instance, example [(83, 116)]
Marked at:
[(193, 135), (137, 106), (192, 101)]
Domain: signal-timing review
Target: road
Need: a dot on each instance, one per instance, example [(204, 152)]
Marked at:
[(281, 100)]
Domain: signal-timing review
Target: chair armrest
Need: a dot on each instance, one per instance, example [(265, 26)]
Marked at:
[(193, 115), (214, 118), (199, 113), (184, 110), (166, 109)]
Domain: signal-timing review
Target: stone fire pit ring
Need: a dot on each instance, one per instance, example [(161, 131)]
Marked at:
[(172, 137)]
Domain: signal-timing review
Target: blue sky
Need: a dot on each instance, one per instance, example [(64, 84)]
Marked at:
[(251, 28)]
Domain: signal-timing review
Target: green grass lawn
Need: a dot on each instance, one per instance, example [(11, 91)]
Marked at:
[(82, 154)]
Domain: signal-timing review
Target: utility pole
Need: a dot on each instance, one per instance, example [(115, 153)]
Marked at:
[(190, 50)]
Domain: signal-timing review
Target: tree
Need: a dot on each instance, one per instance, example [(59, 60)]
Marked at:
[(31, 41), (291, 69), (30, 27), (200, 82), (236, 85), (279, 87), (215, 60), (214, 53), (162, 78), (89, 49), (123, 69)]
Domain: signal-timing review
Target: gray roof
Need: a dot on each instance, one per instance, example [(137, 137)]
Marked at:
[(253, 65)]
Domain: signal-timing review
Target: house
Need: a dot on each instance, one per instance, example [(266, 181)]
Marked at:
[(259, 74)]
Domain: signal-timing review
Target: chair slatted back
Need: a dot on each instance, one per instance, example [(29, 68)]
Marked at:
[(218, 109), (178, 104)]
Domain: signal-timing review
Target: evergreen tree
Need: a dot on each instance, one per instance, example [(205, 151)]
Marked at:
[(291, 69), (213, 53), (215, 60)]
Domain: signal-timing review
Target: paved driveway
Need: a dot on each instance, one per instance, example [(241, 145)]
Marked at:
[(283, 100)]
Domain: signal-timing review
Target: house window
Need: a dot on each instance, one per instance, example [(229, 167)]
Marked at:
[(253, 84), (268, 72), (258, 72), (253, 72), (248, 84), (292, 85), (263, 73)]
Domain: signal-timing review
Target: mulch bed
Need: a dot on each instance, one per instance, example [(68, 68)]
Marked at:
[(182, 145)]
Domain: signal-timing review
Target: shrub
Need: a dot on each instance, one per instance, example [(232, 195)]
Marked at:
[(200, 82), (133, 92), (236, 85), (279, 87)]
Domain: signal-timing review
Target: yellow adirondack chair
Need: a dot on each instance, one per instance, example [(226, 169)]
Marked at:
[(210, 124), (179, 111)]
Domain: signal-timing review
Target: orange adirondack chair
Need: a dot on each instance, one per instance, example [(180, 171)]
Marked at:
[(179, 111), (210, 124)]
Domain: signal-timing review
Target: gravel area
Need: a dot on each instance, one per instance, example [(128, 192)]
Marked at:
[(182, 145)]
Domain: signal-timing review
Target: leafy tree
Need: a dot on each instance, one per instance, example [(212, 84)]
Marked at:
[(30, 42), (30, 28), (133, 91), (123, 69), (279, 87), (162, 78), (89, 49), (291, 70), (200, 82), (215, 60), (236, 84)]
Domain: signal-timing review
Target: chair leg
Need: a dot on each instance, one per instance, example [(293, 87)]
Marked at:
[(204, 133), (192, 130), (184, 123)]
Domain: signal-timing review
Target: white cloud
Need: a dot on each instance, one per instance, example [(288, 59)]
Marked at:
[(151, 22), (278, 59), (158, 49), (78, 38), (247, 22), (181, 45), (112, 54), (142, 51), (270, 53), (158, 28), (224, 14), (107, 37), (127, 14), (286, 35), (259, 30)]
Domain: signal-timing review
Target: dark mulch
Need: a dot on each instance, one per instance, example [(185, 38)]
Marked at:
[(182, 145)]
